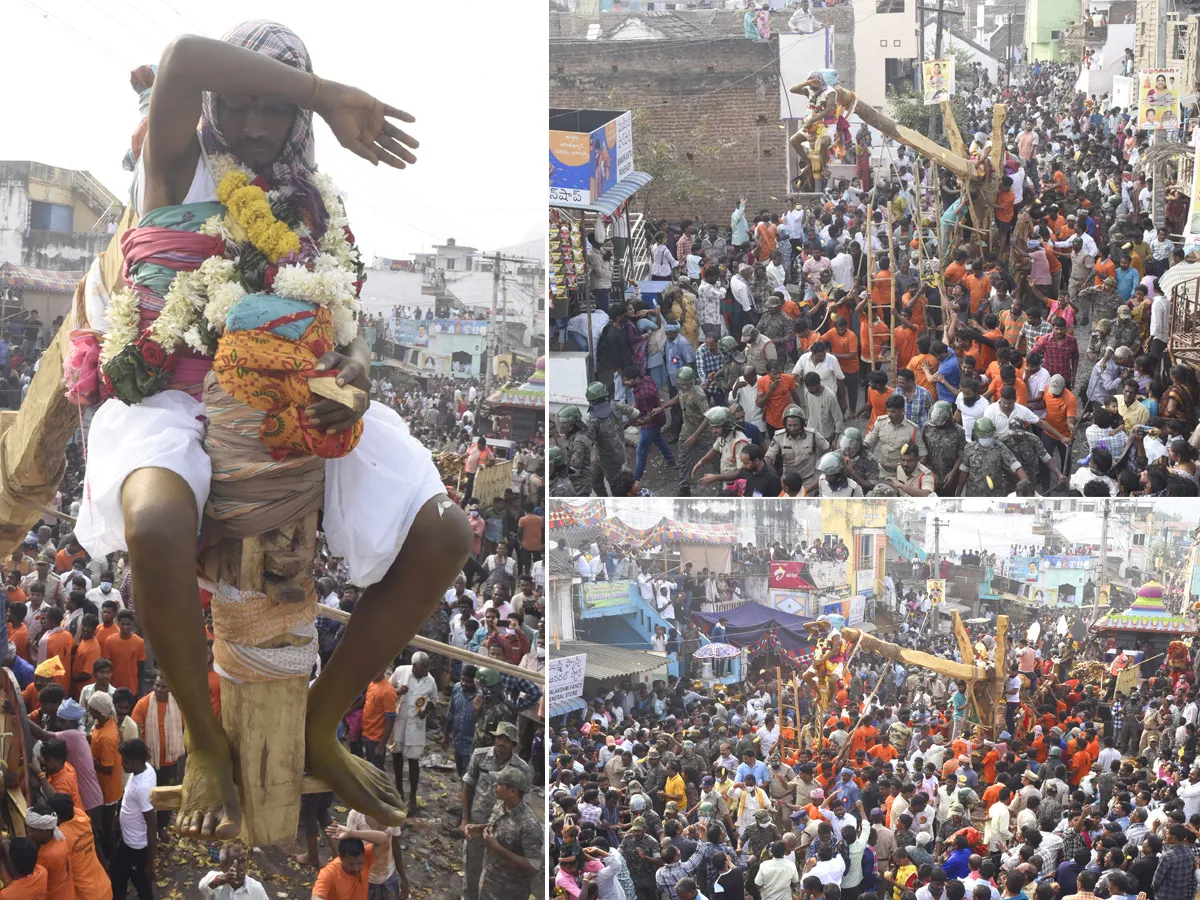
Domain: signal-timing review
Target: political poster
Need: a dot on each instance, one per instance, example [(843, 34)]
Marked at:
[(938, 79), (564, 677), (937, 590), (1158, 99), (1103, 593), (1023, 568), (502, 366), (1043, 596)]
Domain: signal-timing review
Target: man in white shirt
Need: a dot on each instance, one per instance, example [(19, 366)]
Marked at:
[(739, 284), (744, 393), (231, 882), (1189, 793), (823, 363), (416, 699), (1003, 420), (827, 866), (134, 860), (996, 830)]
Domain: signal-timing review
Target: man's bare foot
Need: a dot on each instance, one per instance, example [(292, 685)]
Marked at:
[(210, 801), (359, 784), (302, 859)]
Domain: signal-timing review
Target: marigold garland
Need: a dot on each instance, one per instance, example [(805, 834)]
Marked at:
[(249, 207)]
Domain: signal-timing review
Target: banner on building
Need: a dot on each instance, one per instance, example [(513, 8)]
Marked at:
[(502, 366), (410, 332), (1023, 568), (789, 576), (937, 590), (1158, 99), (602, 594), (858, 610), (937, 77), (564, 677), (1043, 596)]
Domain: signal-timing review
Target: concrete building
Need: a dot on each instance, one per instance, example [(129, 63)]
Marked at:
[(53, 223), (454, 257), (1045, 22), (885, 31)]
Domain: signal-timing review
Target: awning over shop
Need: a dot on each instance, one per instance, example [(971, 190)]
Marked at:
[(566, 707), (608, 202), (604, 662), (949, 608), (39, 279)]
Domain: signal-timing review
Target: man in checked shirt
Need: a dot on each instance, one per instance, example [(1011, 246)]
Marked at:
[(673, 870), (651, 418)]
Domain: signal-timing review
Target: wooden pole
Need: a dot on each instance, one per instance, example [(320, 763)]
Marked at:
[(796, 706), (432, 646), (779, 693), (866, 706), (892, 313)]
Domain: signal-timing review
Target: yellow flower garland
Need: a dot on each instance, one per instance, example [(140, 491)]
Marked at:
[(249, 208)]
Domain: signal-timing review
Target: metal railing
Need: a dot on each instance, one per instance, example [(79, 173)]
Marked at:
[(639, 254), (1183, 342), (98, 198)]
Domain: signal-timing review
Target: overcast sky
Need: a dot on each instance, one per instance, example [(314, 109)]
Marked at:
[(472, 72)]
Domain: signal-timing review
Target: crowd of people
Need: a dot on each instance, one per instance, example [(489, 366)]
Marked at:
[(893, 791), (855, 346)]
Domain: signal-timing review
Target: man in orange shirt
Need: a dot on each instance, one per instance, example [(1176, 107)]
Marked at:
[(108, 622), (1005, 213), (160, 726), (923, 365), (1105, 267), (979, 286), (53, 853), (18, 634), (86, 654), (13, 591), (29, 877), (843, 344), (1062, 414), (990, 758), (904, 337), (91, 881), (65, 558), (56, 641), (127, 652), (105, 741), (55, 775), (347, 877), (379, 717), (957, 270)]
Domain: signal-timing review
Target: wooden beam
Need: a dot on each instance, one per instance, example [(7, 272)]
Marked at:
[(965, 650), (999, 113), (431, 646), (952, 132), (171, 797), (959, 165), (1000, 672), (916, 657), (347, 395)]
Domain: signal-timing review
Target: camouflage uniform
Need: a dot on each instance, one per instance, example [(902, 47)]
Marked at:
[(481, 775), (945, 443), (562, 487), (642, 870), (1029, 450), (518, 831), (1124, 334), (495, 710), (980, 463), (692, 402), (778, 326), (608, 437), (865, 465), (797, 454), (579, 461)]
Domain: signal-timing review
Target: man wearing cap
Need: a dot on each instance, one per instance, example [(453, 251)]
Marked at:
[(1124, 331), (479, 796), (642, 855), (759, 349), (513, 840), (892, 432), (776, 325)]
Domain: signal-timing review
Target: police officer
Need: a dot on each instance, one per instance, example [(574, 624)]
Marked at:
[(560, 484), (513, 840), (944, 439), (491, 707), (986, 464), (731, 371), (578, 451), (833, 481), (606, 427), (797, 449), (479, 797), (693, 403), (861, 465), (777, 325), (728, 445)]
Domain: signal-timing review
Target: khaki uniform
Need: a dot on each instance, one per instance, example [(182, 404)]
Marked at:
[(481, 775), (797, 454), (889, 438)]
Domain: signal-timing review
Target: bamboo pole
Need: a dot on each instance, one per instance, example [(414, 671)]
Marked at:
[(432, 646), (866, 707), (796, 706)]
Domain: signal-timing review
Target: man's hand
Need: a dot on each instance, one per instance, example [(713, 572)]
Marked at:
[(489, 838), (402, 690), (360, 123), (329, 414), (220, 880)]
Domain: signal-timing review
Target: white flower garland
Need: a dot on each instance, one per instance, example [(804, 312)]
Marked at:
[(212, 290)]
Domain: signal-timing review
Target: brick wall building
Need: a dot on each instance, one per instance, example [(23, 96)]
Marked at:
[(716, 102)]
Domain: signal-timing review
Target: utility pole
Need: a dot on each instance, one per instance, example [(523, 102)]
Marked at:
[(503, 318), (1102, 577), (487, 375), (934, 571)]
